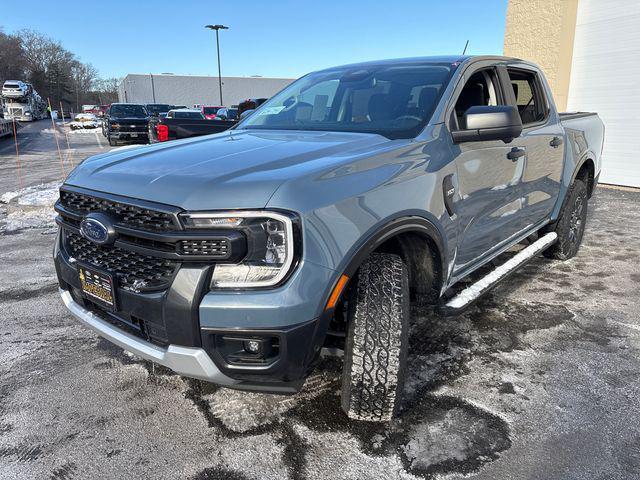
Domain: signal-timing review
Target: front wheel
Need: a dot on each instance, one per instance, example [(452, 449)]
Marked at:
[(571, 223), (376, 349)]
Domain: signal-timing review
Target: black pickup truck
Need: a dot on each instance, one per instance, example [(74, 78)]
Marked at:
[(185, 123), (126, 121)]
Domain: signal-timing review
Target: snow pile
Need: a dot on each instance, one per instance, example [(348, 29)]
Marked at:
[(42, 190), (40, 198), (82, 126), (30, 207), (20, 220)]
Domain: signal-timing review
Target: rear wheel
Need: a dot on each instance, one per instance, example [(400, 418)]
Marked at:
[(571, 223), (377, 342)]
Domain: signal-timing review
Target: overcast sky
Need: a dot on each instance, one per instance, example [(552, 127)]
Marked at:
[(272, 38)]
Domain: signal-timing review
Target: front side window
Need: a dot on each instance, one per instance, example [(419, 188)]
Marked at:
[(529, 98), (479, 90), (391, 100)]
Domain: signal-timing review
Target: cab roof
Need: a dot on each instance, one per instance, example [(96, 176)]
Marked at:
[(436, 59)]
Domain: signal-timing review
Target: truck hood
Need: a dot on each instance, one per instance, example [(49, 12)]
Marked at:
[(229, 170)]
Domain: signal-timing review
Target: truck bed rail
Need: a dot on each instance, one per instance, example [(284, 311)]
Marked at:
[(573, 115)]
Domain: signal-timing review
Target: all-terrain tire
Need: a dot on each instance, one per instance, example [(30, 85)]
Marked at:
[(571, 223), (376, 349)]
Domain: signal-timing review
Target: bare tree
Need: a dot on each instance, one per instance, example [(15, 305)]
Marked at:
[(12, 61), (108, 88), (56, 73), (85, 77), (48, 65)]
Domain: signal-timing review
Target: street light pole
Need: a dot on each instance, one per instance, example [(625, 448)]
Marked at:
[(217, 28)]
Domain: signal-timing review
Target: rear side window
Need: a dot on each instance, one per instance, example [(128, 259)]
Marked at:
[(190, 115), (529, 96)]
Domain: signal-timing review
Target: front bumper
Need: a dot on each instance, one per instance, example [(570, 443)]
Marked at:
[(129, 135), (184, 326), (188, 361)]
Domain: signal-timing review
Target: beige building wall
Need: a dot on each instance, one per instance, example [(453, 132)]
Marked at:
[(542, 31)]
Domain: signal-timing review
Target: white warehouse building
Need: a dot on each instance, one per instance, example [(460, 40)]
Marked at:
[(191, 89)]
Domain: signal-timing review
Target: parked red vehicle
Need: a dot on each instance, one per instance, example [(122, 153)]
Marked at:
[(102, 110), (209, 112)]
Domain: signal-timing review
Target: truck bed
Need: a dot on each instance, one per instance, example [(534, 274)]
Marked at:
[(185, 127)]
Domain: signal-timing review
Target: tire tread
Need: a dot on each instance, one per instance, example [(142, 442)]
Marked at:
[(375, 356)]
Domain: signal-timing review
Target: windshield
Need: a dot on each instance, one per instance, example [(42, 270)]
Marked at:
[(127, 111), (391, 100), (210, 110), (156, 108)]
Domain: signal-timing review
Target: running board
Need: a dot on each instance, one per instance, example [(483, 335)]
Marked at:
[(466, 297)]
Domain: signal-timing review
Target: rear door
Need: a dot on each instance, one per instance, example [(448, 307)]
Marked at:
[(543, 140), (488, 181)]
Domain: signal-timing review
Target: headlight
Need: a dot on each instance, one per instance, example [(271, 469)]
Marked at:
[(270, 246)]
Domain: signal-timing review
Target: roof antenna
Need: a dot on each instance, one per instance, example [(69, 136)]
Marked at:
[(465, 47)]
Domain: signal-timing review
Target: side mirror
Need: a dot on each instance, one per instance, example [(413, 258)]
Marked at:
[(493, 122)]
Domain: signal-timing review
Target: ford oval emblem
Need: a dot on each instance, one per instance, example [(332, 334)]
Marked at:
[(98, 228)]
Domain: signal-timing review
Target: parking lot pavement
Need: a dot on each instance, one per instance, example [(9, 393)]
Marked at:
[(539, 380), (38, 154)]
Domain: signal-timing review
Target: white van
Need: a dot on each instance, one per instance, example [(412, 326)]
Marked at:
[(14, 89)]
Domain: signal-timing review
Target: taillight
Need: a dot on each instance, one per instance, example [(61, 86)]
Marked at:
[(163, 132)]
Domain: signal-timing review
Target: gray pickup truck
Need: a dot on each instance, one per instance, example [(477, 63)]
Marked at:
[(236, 257)]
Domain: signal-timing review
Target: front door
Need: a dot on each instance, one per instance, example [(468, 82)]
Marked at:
[(488, 180)]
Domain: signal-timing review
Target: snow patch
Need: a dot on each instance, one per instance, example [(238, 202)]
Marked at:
[(40, 218), (31, 207), (34, 195)]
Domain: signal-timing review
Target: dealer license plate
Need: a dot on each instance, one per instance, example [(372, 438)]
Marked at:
[(97, 286)]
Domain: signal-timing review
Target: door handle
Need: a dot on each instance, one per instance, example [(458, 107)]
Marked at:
[(516, 153), (556, 142)]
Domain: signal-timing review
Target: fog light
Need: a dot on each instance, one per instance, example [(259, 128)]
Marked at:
[(252, 346)]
